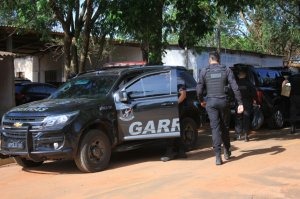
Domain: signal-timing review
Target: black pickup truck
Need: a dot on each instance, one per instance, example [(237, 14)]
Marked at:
[(97, 112)]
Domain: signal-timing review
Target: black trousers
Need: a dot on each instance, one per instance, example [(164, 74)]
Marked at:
[(294, 109), (219, 112), (243, 121)]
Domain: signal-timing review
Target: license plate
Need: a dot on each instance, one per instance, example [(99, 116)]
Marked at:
[(15, 145)]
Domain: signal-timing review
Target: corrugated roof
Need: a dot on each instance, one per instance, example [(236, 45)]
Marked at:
[(4, 54)]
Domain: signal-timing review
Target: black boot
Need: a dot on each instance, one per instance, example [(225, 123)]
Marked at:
[(246, 137), (169, 155), (181, 153), (227, 154), (218, 155), (293, 128), (238, 137), (218, 159)]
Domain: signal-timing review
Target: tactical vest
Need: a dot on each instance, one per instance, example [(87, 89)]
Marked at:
[(216, 81)]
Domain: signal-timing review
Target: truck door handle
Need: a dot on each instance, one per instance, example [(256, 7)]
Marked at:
[(167, 104)]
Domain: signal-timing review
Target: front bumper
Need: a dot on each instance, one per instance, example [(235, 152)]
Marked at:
[(35, 145)]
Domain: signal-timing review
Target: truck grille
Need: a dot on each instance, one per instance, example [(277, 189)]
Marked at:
[(18, 135), (22, 123)]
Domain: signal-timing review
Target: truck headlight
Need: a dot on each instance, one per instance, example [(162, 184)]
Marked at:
[(58, 121)]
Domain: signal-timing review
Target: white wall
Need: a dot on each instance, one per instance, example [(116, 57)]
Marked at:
[(176, 56), (24, 64), (48, 62), (180, 57)]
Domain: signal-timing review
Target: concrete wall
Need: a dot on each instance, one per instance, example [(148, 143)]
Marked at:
[(24, 64), (49, 62), (126, 53), (7, 94), (195, 61), (118, 53)]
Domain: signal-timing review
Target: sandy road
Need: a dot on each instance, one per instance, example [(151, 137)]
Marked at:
[(266, 167)]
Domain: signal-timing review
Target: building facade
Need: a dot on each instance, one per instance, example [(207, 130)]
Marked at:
[(47, 68)]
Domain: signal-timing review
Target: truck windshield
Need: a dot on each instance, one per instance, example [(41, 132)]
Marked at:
[(85, 87)]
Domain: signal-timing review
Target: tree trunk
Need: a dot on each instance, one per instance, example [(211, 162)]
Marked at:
[(67, 55), (102, 44), (156, 46), (84, 52), (86, 35), (74, 56), (145, 51)]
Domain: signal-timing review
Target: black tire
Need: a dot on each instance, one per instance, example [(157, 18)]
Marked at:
[(189, 133), (94, 152), (276, 120), (2, 156), (23, 162)]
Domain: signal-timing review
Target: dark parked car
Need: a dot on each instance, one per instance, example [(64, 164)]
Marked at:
[(20, 80), (32, 91), (267, 81)]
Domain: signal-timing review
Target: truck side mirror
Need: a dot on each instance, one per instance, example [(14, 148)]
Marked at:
[(123, 97)]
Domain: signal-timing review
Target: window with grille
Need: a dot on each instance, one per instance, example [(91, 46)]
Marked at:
[(50, 76)]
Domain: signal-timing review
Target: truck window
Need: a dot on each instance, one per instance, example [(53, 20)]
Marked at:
[(187, 77), (152, 85)]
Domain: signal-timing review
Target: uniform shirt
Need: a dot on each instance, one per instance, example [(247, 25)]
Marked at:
[(295, 84), (230, 78)]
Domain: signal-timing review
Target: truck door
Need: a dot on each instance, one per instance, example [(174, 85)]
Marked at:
[(149, 108)]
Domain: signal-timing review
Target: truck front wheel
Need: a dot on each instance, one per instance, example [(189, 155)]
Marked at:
[(23, 162), (94, 152)]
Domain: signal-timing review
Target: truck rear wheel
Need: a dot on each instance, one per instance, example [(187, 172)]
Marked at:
[(94, 152), (23, 162), (189, 133)]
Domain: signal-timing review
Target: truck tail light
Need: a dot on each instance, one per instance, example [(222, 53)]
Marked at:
[(259, 97)]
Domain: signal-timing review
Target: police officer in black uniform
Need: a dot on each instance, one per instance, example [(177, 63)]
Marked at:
[(294, 112), (248, 92), (215, 80), (175, 146)]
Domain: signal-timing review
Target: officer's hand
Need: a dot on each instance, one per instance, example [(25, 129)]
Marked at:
[(203, 104), (240, 109)]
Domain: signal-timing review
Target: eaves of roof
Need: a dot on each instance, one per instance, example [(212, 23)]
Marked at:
[(5, 54)]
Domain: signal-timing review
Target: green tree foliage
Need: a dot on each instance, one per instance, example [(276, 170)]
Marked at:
[(79, 19), (27, 15), (193, 20), (270, 26), (273, 29), (244, 24), (154, 22), (143, 21)]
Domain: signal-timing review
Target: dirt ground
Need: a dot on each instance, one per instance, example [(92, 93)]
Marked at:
[(268, 166)]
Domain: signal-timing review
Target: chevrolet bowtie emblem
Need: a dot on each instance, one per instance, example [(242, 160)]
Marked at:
[(18, 124)]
